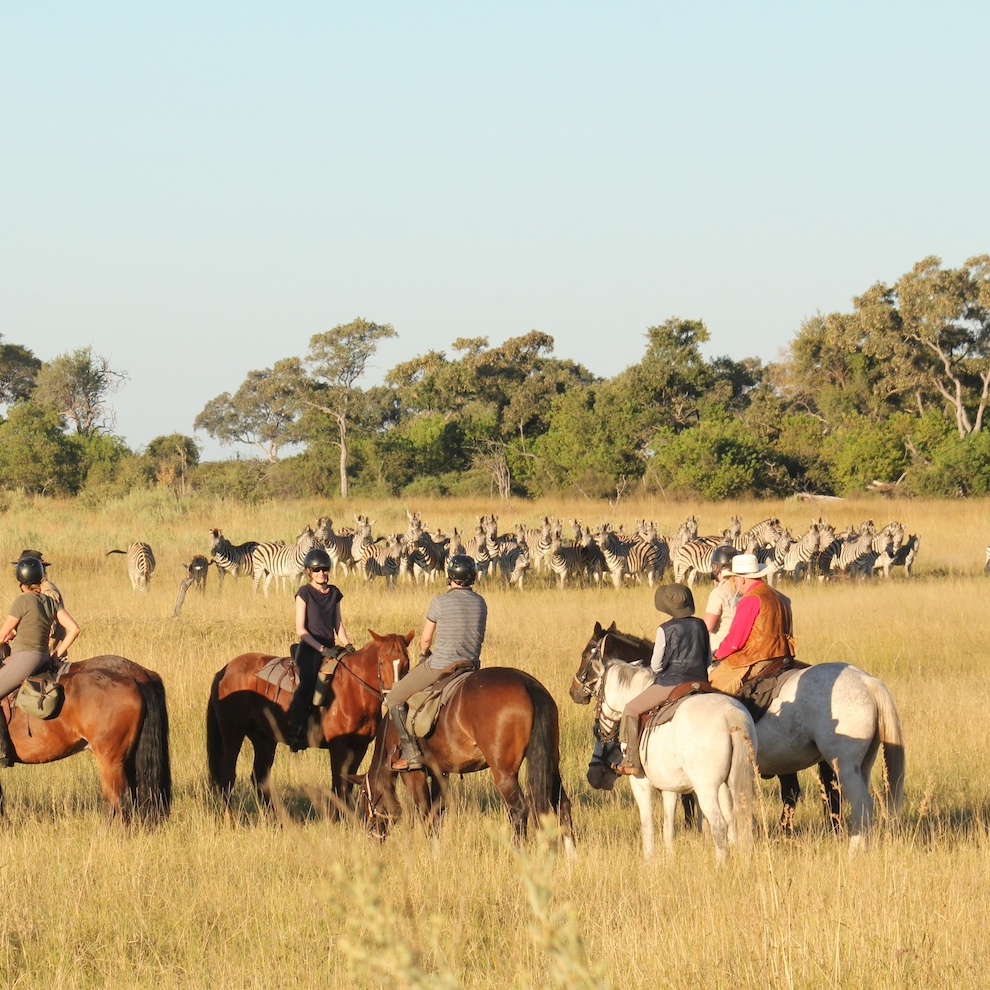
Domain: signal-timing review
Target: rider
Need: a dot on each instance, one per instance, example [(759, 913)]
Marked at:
[(680, 655), (762, 630), (455, 629), (724, 598), (319, 626), (28, 627)]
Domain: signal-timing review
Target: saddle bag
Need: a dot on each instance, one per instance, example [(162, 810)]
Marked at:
[(40, 696)]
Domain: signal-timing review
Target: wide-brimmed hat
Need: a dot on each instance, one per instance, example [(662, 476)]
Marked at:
[(747, 565), (32, 553), (675, 600)]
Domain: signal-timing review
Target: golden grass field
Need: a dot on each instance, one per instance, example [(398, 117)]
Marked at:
[(309, 901)]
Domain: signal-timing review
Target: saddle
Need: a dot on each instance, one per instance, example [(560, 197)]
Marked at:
[(280, 674), (424, 706), (758, 694), (666, 710)]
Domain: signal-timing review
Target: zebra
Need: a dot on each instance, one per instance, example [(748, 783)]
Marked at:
[(565, 561), (694, 558), (230, 559), (513, 563), (614, 553), (337, 545), (853, 553), (648, 557), (425, 555), (140, 565), (197, 570), (277, 561), (384, 560), (538, 541), (906, 554)]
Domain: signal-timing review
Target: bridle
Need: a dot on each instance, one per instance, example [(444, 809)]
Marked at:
[(590, 683)]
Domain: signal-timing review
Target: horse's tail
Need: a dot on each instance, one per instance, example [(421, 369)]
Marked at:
[(152, 762), (546, 789), (742, 776), (892, 742), (214, 735)]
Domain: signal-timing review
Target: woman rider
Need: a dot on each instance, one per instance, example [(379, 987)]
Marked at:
[(27, 628), (319, 627)]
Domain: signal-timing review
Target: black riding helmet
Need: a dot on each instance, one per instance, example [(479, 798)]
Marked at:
[(317, 557), (30, 570), (462, 570), (722, 557)]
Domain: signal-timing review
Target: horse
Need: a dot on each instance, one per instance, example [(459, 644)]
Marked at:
[(837, 716), (707, 748), (116, 708), (495, 718), (241, 705)]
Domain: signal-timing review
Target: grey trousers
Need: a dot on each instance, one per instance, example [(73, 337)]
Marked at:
[(17, 667), (418, 679)]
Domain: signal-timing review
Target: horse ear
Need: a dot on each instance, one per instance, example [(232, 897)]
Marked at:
[(410, 636), (611, 628), (374, 635), (598, 629)]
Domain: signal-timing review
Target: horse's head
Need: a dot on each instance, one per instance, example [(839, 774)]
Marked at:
[(393, 656), (377, 804), (589, 674)]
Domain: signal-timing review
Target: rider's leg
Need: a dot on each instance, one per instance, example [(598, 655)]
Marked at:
[(418, 679)]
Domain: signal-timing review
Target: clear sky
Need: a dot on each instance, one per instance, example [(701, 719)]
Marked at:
[(196, 188)]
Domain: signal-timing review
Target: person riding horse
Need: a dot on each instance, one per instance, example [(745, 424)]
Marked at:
[(680, 655), (455, 632), (28, 628), (724, 598), (319, 626), (762, 629)]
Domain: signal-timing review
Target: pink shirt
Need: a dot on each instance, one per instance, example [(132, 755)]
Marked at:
[(742, 625)]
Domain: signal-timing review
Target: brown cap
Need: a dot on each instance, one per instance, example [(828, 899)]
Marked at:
[(675, 600), (32, 553)]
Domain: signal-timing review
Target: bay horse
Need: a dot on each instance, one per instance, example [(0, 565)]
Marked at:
[(837, 716), (116, 708), (495, 718), (242, 706), (707, 748)]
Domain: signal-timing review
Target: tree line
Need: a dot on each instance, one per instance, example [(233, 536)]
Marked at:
[(891, 396)]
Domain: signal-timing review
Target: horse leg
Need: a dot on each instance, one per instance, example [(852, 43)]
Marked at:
[(831, 796), (261, 770), (562, 807), (790, 794), (346, 754), (507, 785), (857, 790), (711, 808), (643, 793), (114, 785)]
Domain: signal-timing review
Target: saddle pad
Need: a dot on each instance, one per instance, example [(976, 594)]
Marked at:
[(279, 674)]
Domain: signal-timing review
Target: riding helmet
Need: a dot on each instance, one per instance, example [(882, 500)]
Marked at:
[(462, 570), (30, 570), (317, 557), (722, 557)]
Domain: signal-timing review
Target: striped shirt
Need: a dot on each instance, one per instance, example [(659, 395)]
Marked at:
[(460, 616)]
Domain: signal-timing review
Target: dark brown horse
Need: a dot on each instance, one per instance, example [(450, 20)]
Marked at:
[(242, 706), (498, 717), (116, 708)]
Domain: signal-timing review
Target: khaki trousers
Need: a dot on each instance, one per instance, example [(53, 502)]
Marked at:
[(729, 680)]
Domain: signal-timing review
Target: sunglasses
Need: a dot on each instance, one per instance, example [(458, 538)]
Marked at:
[(320, 570)]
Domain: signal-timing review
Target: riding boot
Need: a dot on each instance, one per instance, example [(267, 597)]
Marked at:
[(631, 766), (7, 755), (299, 719), (412, 755)]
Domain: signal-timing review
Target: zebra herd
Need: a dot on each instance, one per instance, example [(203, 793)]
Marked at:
[(592, 556)]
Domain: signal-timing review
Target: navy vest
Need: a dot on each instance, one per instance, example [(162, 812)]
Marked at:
[(686, 652)]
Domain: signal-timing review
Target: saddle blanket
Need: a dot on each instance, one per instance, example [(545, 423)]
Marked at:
[(424, 706)]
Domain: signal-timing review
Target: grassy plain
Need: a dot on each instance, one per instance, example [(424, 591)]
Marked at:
[(313, 902)]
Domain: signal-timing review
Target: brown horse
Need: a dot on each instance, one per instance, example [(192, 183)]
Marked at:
[(116, 708), (495, 719), (242, 706)]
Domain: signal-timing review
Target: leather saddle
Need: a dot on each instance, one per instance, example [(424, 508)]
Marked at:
[(666, 710), (424, 706), (758, 694)]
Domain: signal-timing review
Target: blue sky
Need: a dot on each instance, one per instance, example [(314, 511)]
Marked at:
[(194, 189)]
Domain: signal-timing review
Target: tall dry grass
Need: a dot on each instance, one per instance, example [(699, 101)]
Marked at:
[(310, 901)]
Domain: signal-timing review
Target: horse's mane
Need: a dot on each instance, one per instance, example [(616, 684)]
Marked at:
[(624, 673)]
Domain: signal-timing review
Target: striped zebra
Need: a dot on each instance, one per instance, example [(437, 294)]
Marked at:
[(513, 563), (140, 565), (694, 559), (230, 559), (852, 553), (276, 561), (382, 560), (338, 545), (800, 554), (614, 553), (905, 556), (538, 541), (426, 556), (648, 555), (566, 562)]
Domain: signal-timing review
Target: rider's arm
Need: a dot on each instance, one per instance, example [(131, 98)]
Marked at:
[(426, 641), (71, 628), (742, 625), (657, 664), (8, 627)]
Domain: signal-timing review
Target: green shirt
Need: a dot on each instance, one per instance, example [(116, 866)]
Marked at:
[(36, 615)]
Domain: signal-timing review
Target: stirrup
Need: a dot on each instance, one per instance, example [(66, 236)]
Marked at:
[(627, 769), (402, 764)]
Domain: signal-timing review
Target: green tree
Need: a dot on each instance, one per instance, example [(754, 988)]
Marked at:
[(35, 453), (263, 412), (337, 358), (172, 456), (77, 386), (18, 372)]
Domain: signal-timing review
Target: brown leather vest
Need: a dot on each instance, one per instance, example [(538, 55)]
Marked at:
[(771, 636)]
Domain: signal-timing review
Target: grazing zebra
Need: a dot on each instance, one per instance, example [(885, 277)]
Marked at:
[(425, 555), (140, 565), (197, 570), (337, 545), (273, 561), (230, 559), (513, 563)]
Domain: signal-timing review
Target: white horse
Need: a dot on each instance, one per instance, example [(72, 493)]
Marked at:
[(832, 714), (708, 747), (836, 714)]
